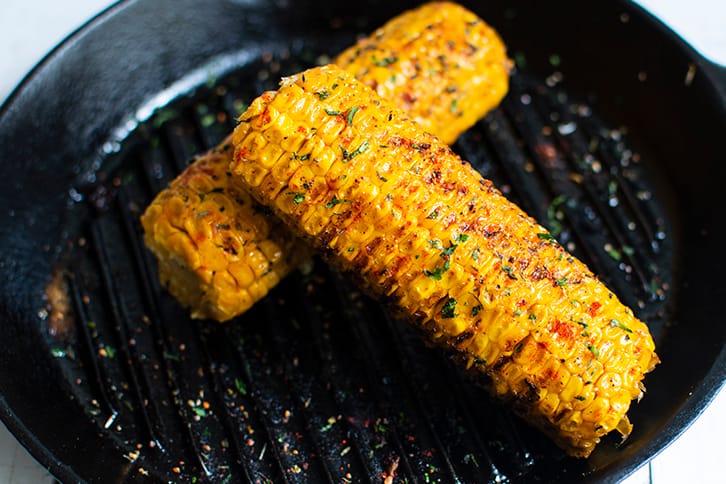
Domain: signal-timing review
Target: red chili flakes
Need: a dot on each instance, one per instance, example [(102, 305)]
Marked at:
[(562, 330), (592, 310)]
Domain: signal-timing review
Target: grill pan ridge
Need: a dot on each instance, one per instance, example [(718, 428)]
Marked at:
[(316, 383)]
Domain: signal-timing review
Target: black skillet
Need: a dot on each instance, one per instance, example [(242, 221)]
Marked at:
[(612, 135)]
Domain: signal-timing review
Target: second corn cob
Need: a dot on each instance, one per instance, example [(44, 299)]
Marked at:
[(419, 228), (439, 61)]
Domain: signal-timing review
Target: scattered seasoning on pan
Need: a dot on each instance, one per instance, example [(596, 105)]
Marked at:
[(690, 74), (58, 352), (170, 356), (240, 386), (554, 215), (239, 106), (107, 351), (471, 458), (164, 115), (208, 120)]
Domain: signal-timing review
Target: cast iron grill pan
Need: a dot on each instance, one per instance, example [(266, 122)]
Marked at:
[(316, 383)]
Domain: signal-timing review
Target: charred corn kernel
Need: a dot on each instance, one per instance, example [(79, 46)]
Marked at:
[(489, 283), (217, 251), (440, 63)]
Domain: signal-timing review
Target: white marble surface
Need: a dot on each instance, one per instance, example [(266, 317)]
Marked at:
[(30, 28)]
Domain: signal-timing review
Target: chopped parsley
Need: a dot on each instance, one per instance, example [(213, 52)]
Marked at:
[(349, 155), (323, 94), (298, 197), (462, 237), (335, 201), (562, 282), (546, 236), (351, 114), (304, 157), (446, 255), (385, 61), (510, 272), (436, 273), (476, 309), (447, 310), (617, 324), (240, 386), (331, 112), (433, 215), (553, 218), (199, 411), (594, 351)]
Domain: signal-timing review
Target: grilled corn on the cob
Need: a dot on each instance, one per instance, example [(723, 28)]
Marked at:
[(420, 228), (440, 61), (219, 251)]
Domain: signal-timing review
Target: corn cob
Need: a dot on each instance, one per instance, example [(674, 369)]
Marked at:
[(418, 227), (440, 63), (463, 73), (219, 251)]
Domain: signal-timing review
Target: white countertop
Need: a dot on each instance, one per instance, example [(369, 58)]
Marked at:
[(30, 28)]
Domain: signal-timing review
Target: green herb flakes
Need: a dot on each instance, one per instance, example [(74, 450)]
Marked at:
[(297, 197), (386, 61), (594, 351), (435, 274), (58, 352), (240, 386), (331, 112), (208, 120), (546, 236), (349, 155), (335, 201), (509, 271), (322, 94), (351, 114), (617, 324), (448, 309)]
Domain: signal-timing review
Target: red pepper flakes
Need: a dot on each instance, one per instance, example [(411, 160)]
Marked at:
[(592, 310)]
